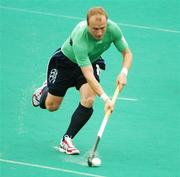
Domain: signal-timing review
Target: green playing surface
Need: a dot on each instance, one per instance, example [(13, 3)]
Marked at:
[(142, 137)]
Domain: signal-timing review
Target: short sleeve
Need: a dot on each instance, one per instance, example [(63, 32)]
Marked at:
[(81, 54), (118, 38)]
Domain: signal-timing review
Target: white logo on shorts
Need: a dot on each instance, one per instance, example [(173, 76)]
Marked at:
[(53, 75)]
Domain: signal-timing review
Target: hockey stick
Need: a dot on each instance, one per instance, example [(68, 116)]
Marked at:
[(103, 125)]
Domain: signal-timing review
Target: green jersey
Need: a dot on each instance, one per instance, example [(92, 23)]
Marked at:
[(82, 48)]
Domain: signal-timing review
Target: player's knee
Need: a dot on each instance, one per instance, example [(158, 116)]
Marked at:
[(50, 106), (88, 102)]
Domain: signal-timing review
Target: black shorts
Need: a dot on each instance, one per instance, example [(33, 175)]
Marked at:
[(63, 74)]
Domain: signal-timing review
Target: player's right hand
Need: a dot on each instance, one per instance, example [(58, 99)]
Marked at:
[(109, 105)]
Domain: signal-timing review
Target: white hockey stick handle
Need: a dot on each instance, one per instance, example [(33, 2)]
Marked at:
[(108, 113)]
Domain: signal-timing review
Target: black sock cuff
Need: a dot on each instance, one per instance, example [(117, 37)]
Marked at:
[(83, 108)]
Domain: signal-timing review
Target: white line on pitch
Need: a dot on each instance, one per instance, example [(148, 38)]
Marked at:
[(49, 168), (80, 18), (149, 28), (126, 99), (40, 13)]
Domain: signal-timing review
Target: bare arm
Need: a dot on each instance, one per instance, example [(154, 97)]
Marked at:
[(127, 58), (94, 84), (126, 64)]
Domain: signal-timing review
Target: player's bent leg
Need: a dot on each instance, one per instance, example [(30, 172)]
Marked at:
[(53, 102), (87, 95), (79, 118)]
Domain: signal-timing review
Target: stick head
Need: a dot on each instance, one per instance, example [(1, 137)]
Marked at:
[(90, 161), (94, 162)]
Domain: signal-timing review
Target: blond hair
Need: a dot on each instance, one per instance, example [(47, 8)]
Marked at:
[(96, 11)]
